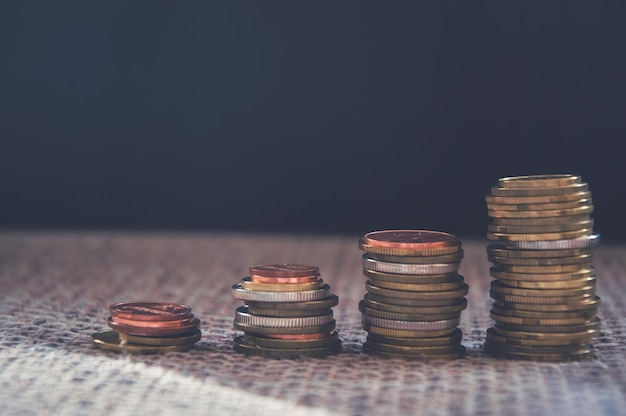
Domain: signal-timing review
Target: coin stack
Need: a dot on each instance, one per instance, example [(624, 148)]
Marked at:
[(149, 327), (544, 291), (415, 294), (287, 313)]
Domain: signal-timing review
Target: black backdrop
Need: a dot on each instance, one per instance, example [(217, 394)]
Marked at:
[(297, 116)]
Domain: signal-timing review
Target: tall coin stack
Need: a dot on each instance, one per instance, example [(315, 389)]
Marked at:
[(287, 313), (544, 291), (415, 295), (149, 327)]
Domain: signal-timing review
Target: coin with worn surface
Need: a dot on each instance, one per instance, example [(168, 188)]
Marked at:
[(539, 207), (411, 239), (402, 333), (265, 342), (242, 346), (583, 354), (266, 331), (422, 303), (453, 338), (540, 221), (501, 251), (553, 336), (588, 304), (525, 321), (410, 278), (460, 353), (284, 270), (593, 325), (155, 332), (492, 335), (540, 229), (543, 277), (149, 311), (549, 261), (563, 284), (541, 300), (311, 305), (456, 307), (287, 313), (539, 191), (403, 294), (402, 268), (248, 284), (185, 322), (539, 236), (447, 258), (411, 325), (545, 199), (420, 287), (253, 295), (242, 316), (580, 242), (561, 268), (499, 288), (539, 181), (563, 349), (587, 314), (404, 349), (406, 316), (109, 340), (161, 341)]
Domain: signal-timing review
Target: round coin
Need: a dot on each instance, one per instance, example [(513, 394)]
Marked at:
[(541, 191), (290, 313), (539, 236), (544, 277), (284, 270), (541, 300), (155, 332), (595, 325), (570, 338), (583, 354), (272, 331), (421, 287), (558, 285), (589, 303), (150, 311), (460, 353), (561, 268), (240, 345), (581, 242), (265, 342), (492, 335), (284, 280), (507, 319), (498, 250), (499, 288), (109, 340), (410, 278), (563, 349), (446, 294), (375, 313), (160, 341), (539, 207), (311, 305), (411, 239), (539, 229), (447, 258), (402, 349), (540, 221), (400, 333), (247, 284), (303, 296), (585, 314), (456, 307), (545, 199), (421, 303), (550, 261), (242, 316), (453, 338), (539, 181), (185, 322), (402, 268), (583, 209)]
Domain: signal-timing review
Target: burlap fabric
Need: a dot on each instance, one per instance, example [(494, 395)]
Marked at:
[(55, 289)]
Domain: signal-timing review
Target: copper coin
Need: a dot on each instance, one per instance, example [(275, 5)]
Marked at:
[(154, 332), (284, 270), (154, 324), (286, 280), (411, 239), (150, 311)]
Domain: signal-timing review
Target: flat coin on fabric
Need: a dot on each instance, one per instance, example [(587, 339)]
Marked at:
[(149, 311), (109, 340)]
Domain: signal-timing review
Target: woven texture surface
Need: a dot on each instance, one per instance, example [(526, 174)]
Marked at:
[(55, 289)]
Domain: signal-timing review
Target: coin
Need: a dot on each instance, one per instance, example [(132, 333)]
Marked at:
[(406, 316), (447, 258), (460, 353), (421, 287), (284, 270), (247, 284), (507, 319), (453, 338), (285, 280), (588, 304), (401, 268), (267, 331), (109, 340), (520, 313), (549, 261), (541, 300), (186, 322), (240, 345), (287, 313), (564, 284), (537, 181), (414, 302), (539, 236), (410, 350), (544, 277), (456, 306), (539, 221), (498, 250), (581, 242), (539, 207), (492, 335), (411, 325), (572, 337), (560, 350), (498, 288), (539, 229), (160, 341), (541, 191), (398, 333), (308, 306), (265, 342), (149, 311), (303, 296), (410, 278), (402, 294), (155, 332), (242, 316), (545, 199), (561, 268), (411, 239), (594, 324)]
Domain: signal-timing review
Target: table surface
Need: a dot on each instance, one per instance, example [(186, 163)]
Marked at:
[(55, 289)]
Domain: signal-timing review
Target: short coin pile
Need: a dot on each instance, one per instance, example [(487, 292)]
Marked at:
[(287, 313), (415, 295), (544, 291), (149, 327)]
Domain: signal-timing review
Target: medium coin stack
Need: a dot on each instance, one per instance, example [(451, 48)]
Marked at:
[(544, 291), (415, 294), (287, 313), (149, 327)]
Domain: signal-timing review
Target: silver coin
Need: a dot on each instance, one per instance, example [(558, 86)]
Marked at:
[(581, 242), (411, 325), (405, 268), (304, 296), (243, 316)]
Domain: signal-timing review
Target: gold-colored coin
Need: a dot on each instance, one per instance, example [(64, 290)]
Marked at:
[(160, 341), (454, 338), (265, 342), (288, 307), (492, 335), (410, 278), (240, 345), (539, 181), (498, 250), (540, 236), (545, 199), (446, 294), (460, 353), (543, 191), (407, 316), (421, 287), (540, 229), (506, 319), (247, 284), (448, 258), (422, 303), (397, 251), (399, 349), (402, 333), (289, 313), (594, 324), (560, 268), (543, 277), (108, 339), (588, 304), (584, 354), (456, 307), (563, 349), (540, 207), (559, 338), (587, 314), (564, 284), (540, 300), (540, 221), (581, 210), (499, 288), (549, 261)]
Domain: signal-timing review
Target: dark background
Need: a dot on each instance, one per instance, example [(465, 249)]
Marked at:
[(331, 117)]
